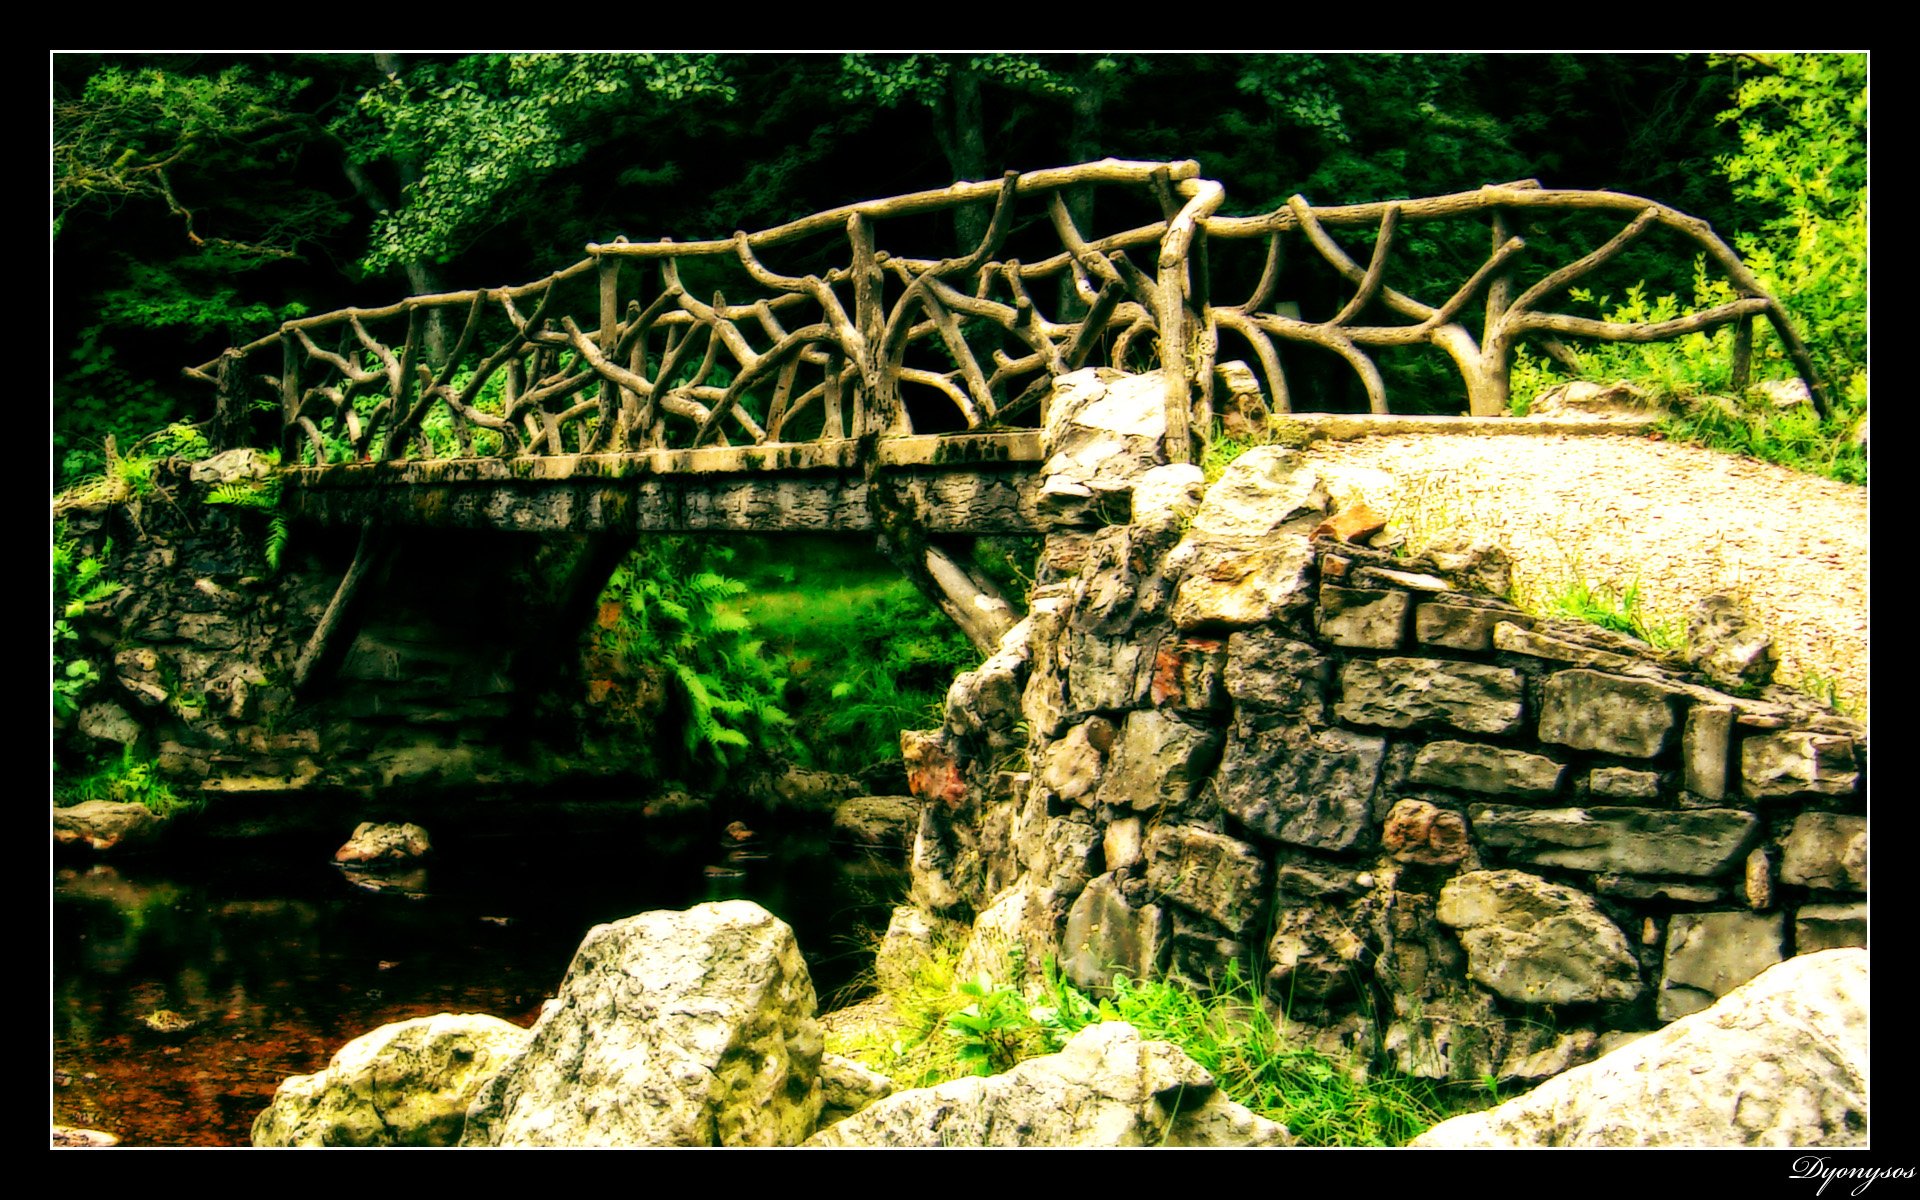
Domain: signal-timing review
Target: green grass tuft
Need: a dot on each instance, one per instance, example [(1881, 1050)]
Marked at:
[(1618, 609)]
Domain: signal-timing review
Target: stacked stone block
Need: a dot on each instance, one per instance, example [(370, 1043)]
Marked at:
[(1472, 841)]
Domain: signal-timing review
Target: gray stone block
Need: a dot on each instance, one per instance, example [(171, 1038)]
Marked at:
[(1829, 927), (1230, 585), (1626, 841), (1267, 670), (1535, 942), (1797, 763), (1295, 784), (1399, 693), (1362, 619), (1105, 935), (1612, 714), (1710, 954), (1471, 767), (1624, 783), (1827, 851), (1215, 876), (1455, 627), (1157, 761), (1705, 749)]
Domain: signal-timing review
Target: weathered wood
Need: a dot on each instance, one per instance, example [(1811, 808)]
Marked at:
[(230, 404), (322, 643), (969, 599), (1105, 171), (1742, 354), (965, 309)]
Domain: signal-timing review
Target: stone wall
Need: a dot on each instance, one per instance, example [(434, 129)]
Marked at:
[(1455, 837)]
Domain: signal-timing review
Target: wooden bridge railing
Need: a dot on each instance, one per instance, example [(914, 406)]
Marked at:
[(683, 344)]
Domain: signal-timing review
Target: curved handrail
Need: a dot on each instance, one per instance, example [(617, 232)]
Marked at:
[(881, 344)]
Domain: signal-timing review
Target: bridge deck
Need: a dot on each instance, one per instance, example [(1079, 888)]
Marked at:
[(979, 483)]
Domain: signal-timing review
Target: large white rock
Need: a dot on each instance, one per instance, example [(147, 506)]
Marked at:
[(1104, 429), (405, 1084), (1106, 1088), (1263, 491), (1780, 1061), (690, 1028)]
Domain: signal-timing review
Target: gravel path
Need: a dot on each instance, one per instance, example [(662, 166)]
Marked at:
[(1676, 520)]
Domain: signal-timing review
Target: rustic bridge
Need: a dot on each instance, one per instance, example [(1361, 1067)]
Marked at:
[(770, 380)]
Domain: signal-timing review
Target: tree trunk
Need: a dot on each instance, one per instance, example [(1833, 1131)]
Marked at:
[(1083, 145), (423, 277), (961, 131), (970, 600)]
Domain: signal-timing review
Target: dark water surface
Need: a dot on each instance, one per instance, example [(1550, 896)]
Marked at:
[(278, 960)]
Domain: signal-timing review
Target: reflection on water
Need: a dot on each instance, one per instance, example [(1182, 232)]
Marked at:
[(184, 991)]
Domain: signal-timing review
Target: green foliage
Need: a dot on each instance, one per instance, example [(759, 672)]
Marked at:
[(1220, 453), (1010, 563), (78, 581), (1222, 450), (865, 654), (1227, 1030), (996, 1030), (178, 440), (1800, 175), (1528, 376), (1618, 609), (130, 779), (486, 129), (176, 190), (1793, 438), (97, 397), (115, 478), (1697, 364), (259, 495), (163, 137), (925, 79), (666, 611), (1802, 165), (947, 1026), (1694, 375), (894, 666), (1830, 692)]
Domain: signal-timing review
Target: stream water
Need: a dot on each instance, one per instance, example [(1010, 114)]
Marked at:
[(272, 959)]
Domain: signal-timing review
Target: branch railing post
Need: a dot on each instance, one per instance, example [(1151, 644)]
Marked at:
[(1171, 316), (1496, 355), (612, 434), (881, 413), (1742, 354), (230, 402), (289, 397)]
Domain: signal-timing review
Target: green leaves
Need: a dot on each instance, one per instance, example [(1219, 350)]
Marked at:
[(484, 134), (1802, 166), (995, 1031), (78, 581), (1615, 608), (1800, 173), (131, 779), (259, 495), (663, 610)]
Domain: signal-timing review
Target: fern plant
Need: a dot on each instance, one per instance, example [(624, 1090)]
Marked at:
[(130, 779), (261, 495), (78, 581), (663, 611)]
